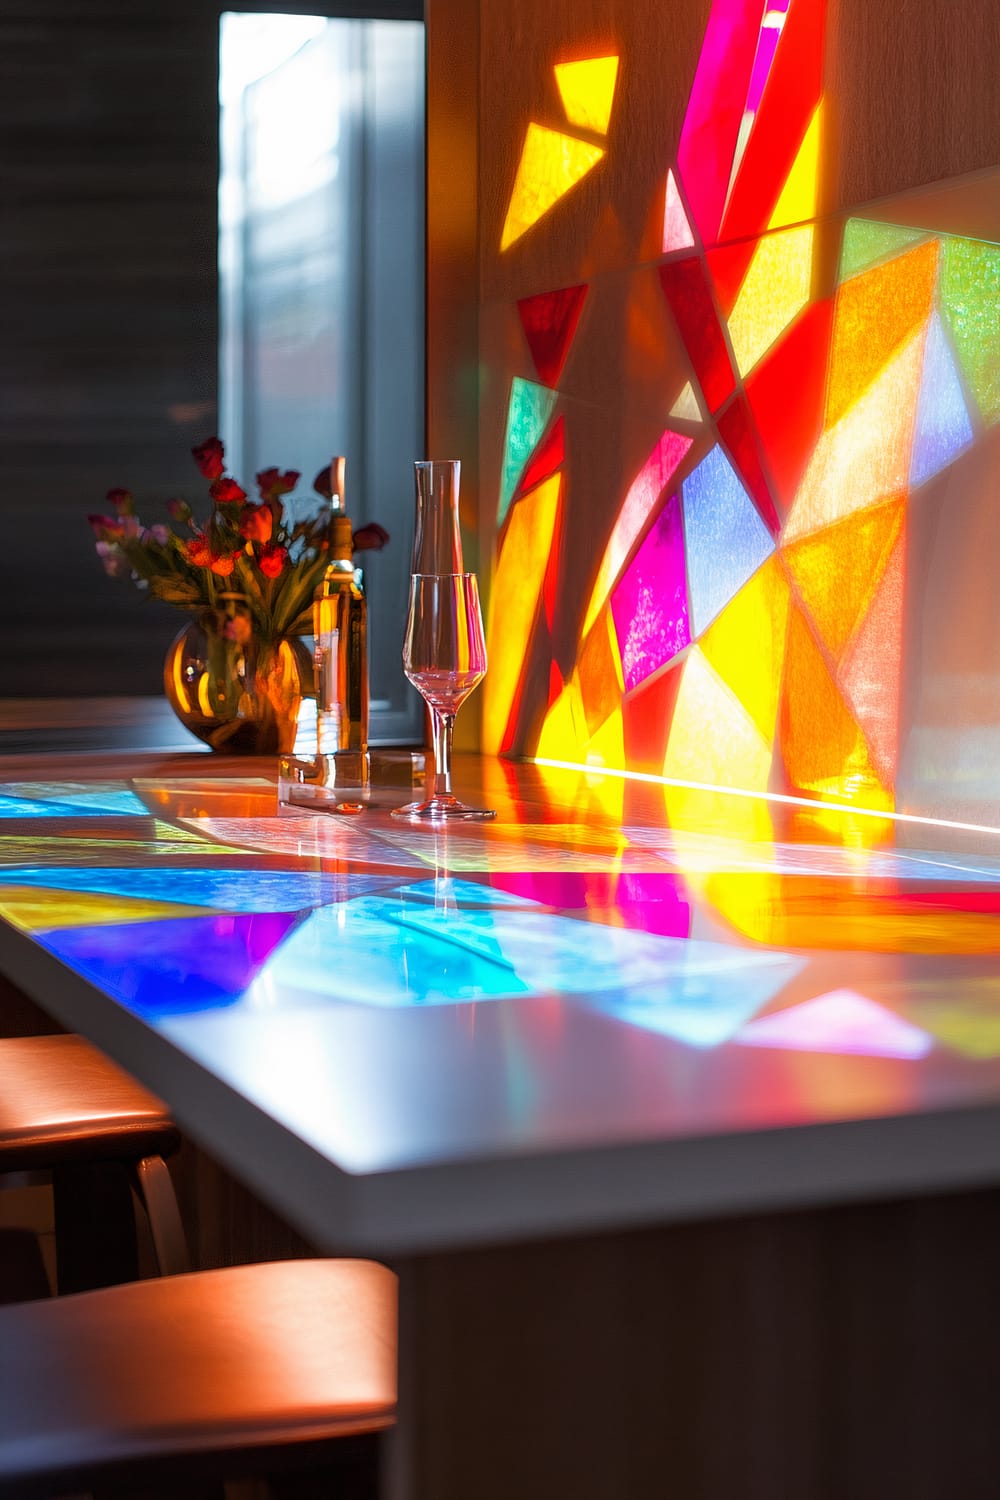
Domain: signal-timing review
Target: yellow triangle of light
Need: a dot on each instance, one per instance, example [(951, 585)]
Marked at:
[(734, 753), (551, 163), (514, 602), (607, 745), (686, 406), (564, 730), (745, 644), (33, 908), (587, 89), (800, 194), (774, 290)]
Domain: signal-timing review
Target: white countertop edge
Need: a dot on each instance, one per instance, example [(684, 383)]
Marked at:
[(480, 1201)]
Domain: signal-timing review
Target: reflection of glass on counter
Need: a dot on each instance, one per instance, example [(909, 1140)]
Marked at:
[(344, 782)]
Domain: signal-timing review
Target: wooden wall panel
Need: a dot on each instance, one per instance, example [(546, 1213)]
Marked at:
[(913, 88)]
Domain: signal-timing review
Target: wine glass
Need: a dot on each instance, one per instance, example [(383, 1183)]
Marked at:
[(444, 656)]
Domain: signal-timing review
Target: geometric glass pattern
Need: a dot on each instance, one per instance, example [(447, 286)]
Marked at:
[(829, 369)]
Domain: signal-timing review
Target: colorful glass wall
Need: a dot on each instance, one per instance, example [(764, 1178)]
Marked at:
[(704, 505)]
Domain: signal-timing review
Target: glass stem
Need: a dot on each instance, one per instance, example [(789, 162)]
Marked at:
[(442, 725)]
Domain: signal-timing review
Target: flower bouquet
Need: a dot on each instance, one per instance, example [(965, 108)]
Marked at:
[(236, 673)]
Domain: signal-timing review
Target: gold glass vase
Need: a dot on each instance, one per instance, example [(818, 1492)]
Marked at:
[(234, 688)]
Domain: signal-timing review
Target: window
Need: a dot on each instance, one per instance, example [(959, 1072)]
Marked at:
[(321, 264)]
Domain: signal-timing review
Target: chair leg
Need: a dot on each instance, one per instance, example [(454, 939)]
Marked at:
[(155, 1188)]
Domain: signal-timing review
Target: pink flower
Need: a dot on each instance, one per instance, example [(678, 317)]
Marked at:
[(272, 559), (227, 492), (158, 534), (256, 523), (210, 458), (115, 563)]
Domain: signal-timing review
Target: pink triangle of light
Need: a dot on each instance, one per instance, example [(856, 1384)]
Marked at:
[(839, 1021), (676, 229)]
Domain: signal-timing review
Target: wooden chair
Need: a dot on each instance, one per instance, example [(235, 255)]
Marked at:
[(172, 1380), (66, 1109)]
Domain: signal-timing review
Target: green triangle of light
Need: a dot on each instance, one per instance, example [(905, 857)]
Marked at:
[(867, 242), (970, 300), (527, 418)]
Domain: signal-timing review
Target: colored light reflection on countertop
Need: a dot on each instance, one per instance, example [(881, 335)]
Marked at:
[(705, 939)]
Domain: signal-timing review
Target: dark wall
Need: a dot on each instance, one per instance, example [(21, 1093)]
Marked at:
[(109, 167)]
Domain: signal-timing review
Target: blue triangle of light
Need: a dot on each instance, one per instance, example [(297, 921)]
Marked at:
[(725, 539), (943, 428)]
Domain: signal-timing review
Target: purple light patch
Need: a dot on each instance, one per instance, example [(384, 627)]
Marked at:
[(649, 605), (169, 967), (841, 1021)]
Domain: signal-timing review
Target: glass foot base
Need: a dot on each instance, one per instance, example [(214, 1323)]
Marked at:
[(442, 810)]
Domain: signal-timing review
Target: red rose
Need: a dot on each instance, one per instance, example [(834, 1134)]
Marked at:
[(370, 538), (106, 528), (210, 457), (121, 501), (227, 492), (256, 523), (198, 551), (272, 559), (271, 482)]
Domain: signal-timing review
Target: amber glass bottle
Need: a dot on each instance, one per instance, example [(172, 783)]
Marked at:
[(340, 628)]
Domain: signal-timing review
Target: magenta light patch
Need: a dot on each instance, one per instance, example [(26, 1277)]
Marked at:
[(649, 606)]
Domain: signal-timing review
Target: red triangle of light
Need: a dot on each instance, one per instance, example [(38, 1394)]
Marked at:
[(546, 458), (549, 322), (736, 431)]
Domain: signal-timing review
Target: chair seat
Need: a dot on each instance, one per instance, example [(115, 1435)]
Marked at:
[(213, 1362), (63, 1101)]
